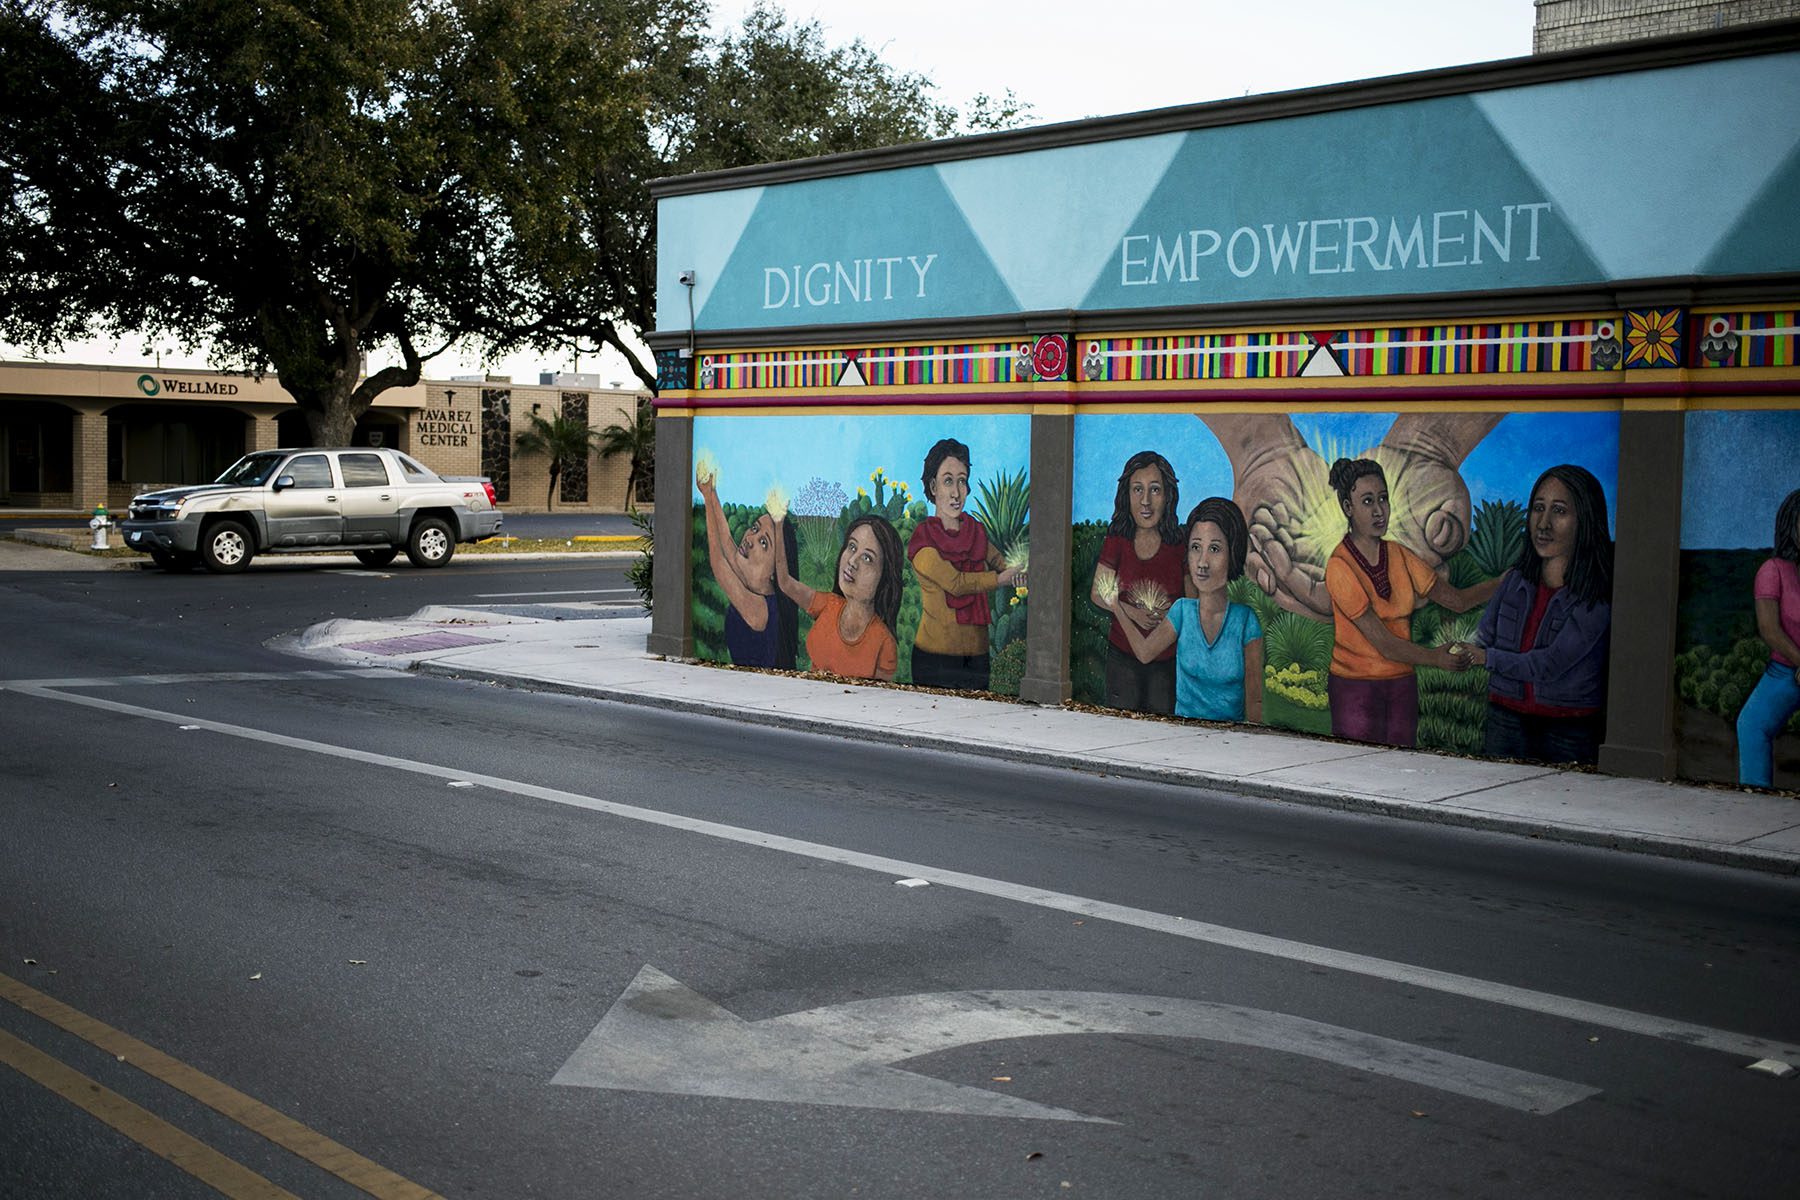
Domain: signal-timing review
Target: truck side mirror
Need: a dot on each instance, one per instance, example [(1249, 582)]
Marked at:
[(282, 483)]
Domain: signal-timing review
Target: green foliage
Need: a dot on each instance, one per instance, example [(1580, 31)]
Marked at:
[(565, 441), (1088, 626), (1495, 541), (1452, 704), (1003, 505), (1243, 590), (1720, 682), (1291, 639), (641, 575), (1006, 668), (637, 441), (299, 187)]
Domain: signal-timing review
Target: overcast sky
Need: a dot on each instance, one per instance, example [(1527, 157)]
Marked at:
[(1071, 60)]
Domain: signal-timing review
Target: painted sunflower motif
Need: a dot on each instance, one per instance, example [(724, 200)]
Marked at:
[(1651, 338)]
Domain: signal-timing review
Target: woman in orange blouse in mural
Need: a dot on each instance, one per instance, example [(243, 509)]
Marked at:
[(1375, 584), (852, 629)]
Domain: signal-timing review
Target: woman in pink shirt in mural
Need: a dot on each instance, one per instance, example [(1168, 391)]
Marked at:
[(1777, 694)]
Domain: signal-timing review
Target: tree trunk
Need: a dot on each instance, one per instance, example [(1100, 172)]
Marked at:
[(550, 496), (333, 427)]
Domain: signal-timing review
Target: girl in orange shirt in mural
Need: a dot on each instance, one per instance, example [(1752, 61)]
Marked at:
[(852, 629), (1375, 584)]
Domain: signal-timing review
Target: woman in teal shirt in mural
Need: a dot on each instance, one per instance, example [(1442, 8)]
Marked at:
[(1218, 644)]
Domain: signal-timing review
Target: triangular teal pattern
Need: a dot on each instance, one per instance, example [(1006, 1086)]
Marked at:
[(1397, 199), (1763, 239), (1049, 218), (887, 246), (1653, 167)]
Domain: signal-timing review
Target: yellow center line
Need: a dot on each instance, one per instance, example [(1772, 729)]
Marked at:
[(371, 1177), (148, 1130)]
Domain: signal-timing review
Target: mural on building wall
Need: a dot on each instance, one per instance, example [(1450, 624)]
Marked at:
[(1432, 579), (876, 547), (1737, 662)]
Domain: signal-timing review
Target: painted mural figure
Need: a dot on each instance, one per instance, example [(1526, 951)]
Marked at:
[(1545, 633), (1777, 694), (1277, 480), (1218, 644), (853, 623), (1375, 585), (762, 626), (957, 568), (1140, 573)]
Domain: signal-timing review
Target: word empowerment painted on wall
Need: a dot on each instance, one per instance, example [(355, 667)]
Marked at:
[(1330, 246)]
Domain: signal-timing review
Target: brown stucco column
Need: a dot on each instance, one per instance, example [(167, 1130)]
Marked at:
[(1640, 699), (671, 626), (88, 473), (1046, 679)]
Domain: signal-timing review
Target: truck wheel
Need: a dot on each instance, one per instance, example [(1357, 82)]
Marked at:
[(376, 558), (226, 548), (430, 544)]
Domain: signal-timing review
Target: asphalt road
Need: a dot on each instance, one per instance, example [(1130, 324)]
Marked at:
[(264, 871)]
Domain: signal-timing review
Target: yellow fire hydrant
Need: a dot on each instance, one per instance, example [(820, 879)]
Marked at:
[(100, 524)]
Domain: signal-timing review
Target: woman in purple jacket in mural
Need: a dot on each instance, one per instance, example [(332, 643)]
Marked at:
[(1545, 634)]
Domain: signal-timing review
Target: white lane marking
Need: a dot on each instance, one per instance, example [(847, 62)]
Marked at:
[(662, 1036), (625, 591), (23, 685), (1547, 1003)]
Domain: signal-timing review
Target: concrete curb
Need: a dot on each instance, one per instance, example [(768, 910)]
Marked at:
[(1640, 843)]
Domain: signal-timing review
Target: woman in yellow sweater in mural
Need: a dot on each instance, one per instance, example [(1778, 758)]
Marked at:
[(957, 569)]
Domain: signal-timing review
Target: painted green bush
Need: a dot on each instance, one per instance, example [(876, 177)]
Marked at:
[(1087, 625)]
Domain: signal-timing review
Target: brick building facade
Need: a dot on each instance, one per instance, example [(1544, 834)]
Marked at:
[(1575, 24), (78, 436)]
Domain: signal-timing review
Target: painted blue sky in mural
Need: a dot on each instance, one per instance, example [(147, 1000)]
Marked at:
[(1736, 469), (1503, 467), (756, 452)]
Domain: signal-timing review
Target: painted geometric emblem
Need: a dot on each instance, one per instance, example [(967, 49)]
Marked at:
[(1607, 352), (1653, 337)]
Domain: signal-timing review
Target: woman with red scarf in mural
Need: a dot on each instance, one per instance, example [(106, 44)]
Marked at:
[(957, 570)]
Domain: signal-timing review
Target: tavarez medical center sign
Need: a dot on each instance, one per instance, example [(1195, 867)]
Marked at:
[(1666, 173)]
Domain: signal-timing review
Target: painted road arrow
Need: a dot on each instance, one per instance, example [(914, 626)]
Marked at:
[(661, 1036)]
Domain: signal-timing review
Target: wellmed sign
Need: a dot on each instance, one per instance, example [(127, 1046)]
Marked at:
[(150, 385)]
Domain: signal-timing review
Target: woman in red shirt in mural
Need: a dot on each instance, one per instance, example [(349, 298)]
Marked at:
[(1142, 571)]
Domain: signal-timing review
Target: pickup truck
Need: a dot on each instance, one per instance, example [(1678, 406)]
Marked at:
[(374, 502)]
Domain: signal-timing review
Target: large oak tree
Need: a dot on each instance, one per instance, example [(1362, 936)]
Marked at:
[(305, 185)]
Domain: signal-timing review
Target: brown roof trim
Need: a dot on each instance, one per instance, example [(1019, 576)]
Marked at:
[(1773, 37), (1686, 291)]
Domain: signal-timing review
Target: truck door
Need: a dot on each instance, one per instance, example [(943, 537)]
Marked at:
[(371, 509), (305, 513)]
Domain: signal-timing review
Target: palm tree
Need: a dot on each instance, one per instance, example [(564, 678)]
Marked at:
[(565, 439), (637, 439)]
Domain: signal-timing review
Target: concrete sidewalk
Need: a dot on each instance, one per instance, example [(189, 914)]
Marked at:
[(593, 650)]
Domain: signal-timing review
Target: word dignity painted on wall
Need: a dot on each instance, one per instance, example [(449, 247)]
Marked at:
[(445, 427), (1461, 237), (846, 281)]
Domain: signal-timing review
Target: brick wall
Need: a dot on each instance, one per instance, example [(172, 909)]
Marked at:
[(446, 436), (1571, 24)]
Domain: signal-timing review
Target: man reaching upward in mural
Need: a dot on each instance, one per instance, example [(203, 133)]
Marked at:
[(1280, 484)]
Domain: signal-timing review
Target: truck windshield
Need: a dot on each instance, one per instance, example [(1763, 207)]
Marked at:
[(251, 470)]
